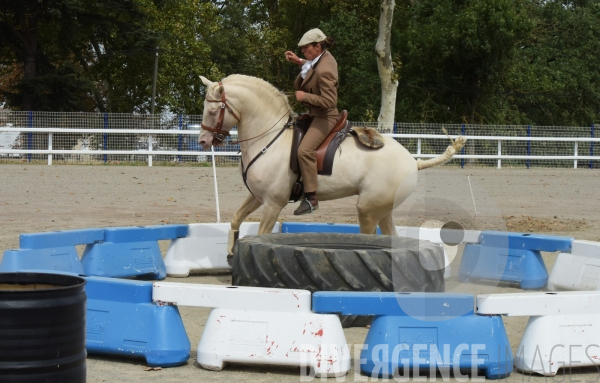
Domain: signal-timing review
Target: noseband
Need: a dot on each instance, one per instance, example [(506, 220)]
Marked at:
[(219, 133)]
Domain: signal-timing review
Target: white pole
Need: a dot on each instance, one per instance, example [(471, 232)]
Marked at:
[(472, 197), (216, 188), (499, 154), (49, 148), (150, 149), (575, 154)]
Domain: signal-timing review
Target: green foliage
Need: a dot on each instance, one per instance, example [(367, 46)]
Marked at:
[(354, 25), (457, 61), (456, 56), (557, 82)]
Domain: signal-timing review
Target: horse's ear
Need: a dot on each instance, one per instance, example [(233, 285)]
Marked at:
[(206, 81), (221, 89)]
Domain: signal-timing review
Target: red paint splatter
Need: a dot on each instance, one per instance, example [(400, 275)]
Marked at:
[(319, 333)]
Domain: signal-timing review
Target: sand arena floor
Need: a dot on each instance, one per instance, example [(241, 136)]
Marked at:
[(38, 198)]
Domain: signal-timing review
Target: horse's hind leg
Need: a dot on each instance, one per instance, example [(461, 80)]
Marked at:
[(367, 219), (386, 224), (249, 205), (372, 211)]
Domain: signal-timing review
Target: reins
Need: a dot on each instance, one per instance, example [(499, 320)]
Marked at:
[(263, 151), (220, 134), (265, 132)]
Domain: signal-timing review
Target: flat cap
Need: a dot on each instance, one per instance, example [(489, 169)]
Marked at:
[(313, 36)]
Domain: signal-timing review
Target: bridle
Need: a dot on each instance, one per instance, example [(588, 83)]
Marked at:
[(219, 133)]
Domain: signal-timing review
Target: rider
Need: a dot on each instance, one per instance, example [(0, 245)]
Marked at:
[(316, 88)]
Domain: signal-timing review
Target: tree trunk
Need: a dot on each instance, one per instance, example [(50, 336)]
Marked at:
[(29, 28), (385, 65)]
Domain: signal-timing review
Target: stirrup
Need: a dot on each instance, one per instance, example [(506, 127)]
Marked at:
[(303, 209)]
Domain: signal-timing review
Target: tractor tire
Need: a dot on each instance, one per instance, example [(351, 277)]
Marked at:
[(339, 262)]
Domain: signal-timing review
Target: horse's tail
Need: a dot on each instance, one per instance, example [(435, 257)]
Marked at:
[(446, 156)]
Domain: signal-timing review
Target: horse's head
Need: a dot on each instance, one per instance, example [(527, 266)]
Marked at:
[(218, 118)]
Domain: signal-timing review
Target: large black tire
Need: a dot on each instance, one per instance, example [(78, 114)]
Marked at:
[(339, 262)]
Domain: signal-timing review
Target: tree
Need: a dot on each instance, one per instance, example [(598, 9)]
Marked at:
[(456, 57), (59, 46), (385, 66), (557, 81), (353, 25), (185, 30)]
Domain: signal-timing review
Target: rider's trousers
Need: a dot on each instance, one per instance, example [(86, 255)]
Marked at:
[(307, 158)]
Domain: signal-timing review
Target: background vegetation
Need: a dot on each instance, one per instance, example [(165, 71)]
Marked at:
[(458, 61)]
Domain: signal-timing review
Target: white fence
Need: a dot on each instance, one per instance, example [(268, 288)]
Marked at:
[(45, 137), (83, 151)]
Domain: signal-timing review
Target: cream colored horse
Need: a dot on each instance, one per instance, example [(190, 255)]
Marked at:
[(381, 178)]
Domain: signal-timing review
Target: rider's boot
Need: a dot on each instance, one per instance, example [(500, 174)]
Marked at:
[(309, 204)]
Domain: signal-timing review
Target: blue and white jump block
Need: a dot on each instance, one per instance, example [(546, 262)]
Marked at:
[(417, 331), (122, 319), (119, 252), (562, 331), (257, 325), (578, 269), (510, 257), (204, 247)]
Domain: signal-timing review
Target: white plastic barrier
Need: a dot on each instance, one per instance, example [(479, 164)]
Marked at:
[(562, 330), (204, 248), (577, 270), (255, 325), (434, 235)]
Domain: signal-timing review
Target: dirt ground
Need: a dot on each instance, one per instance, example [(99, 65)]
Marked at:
[(38, 198)]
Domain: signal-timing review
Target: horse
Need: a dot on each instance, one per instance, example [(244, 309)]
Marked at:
[(382, 178)]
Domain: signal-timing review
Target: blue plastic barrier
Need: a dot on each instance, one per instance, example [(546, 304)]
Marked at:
[(119, 252), (130, 252), (416, 331), (123, 320), (50, 251), (304, 227), (510, 257)]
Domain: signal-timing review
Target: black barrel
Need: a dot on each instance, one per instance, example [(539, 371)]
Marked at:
[(42, 328)]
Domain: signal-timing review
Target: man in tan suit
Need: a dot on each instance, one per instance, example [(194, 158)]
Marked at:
[(316, 89)]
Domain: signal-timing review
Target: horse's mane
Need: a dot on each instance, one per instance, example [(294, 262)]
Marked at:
[(258, 82)]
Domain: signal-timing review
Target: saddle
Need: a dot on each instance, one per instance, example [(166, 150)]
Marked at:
[(326, 151), (368, 137)]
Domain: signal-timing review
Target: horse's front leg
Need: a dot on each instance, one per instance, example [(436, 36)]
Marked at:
[(249, 205), (269, 218)]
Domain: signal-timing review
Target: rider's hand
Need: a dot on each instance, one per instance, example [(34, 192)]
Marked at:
[(300, 95), (291, 57)]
